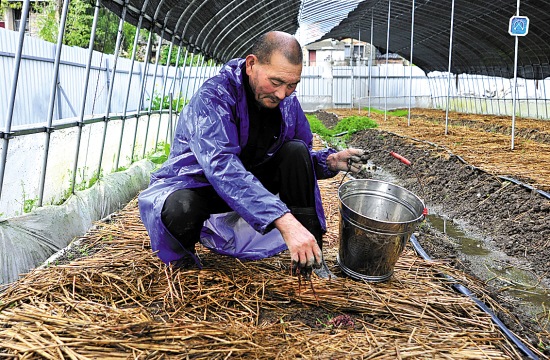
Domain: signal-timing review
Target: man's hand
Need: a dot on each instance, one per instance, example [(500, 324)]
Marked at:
[(304, 251), (339, 160)]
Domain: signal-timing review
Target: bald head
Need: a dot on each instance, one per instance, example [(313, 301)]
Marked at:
[(277, 41)]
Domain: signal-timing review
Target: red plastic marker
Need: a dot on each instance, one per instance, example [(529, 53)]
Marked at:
[(401, 158), (425, 212)]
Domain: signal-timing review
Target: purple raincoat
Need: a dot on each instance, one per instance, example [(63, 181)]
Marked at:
[(210, 134)]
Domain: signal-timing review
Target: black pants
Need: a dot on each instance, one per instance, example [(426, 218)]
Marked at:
[(288, 173)]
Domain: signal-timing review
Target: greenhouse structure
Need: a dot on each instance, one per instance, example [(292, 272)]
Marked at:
[(455, 89)]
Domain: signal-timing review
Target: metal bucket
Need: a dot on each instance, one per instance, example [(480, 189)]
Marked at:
[(377, 219)]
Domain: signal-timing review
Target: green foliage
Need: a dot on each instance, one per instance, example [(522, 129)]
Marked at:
[(160, 159), (79, 24), (350, 124), (392, 113), (195, 61), (28, 203), (166, 104)]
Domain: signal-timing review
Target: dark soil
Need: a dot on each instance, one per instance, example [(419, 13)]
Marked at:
[(327, 118), (512, 218)]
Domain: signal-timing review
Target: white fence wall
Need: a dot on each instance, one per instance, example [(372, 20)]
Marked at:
[(35, 78)]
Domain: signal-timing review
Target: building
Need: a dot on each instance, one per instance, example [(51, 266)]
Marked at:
[(338, 52), (11, 15)]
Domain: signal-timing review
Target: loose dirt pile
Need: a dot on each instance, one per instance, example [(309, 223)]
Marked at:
[(123, 302)]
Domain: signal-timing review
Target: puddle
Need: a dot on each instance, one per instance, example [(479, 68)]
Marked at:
[(495, 267), (503, 272)]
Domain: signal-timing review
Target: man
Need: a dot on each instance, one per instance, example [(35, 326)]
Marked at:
[(243, 144)]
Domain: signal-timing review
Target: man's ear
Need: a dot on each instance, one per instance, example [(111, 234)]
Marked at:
[(251, 60)]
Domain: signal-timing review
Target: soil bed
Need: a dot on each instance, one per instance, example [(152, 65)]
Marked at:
[(505, 217), (123, 302)]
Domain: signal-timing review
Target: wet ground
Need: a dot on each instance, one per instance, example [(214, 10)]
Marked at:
[(490, 228)]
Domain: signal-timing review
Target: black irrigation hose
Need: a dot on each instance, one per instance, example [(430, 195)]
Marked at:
[(465, 291), (461, 288)]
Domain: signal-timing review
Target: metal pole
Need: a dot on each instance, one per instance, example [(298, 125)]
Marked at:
[(52, 98), (196, 75), (84, 94), (173, 83), (163, 89), (360, 92), (410, 63), (108, 106), (189, 79), (11, 103), (514, 90), (142, 88), (181, 79), (387, 62), (133, 58), (169, 126), (370, 54), (450, 58), (157, 57)]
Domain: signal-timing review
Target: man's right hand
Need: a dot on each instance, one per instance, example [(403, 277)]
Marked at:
[(303, 247)]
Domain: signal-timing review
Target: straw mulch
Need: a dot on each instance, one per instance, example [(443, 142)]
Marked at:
[(489, 151), (123, 303)]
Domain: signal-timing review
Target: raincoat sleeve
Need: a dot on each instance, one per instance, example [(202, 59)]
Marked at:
[(303, 132), (212, 131)]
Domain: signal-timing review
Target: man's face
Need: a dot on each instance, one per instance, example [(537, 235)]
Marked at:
[(272, 82)]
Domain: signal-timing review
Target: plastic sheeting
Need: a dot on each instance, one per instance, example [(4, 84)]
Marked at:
[(27, 241)]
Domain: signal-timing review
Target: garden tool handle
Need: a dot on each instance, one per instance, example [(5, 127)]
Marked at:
[(400, 158)]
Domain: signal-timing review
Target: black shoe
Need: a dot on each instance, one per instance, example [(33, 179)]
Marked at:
[(189, 261)]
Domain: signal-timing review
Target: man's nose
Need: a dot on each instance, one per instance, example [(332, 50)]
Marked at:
[(280, 94)]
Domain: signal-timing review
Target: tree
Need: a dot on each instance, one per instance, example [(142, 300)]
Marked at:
[(79, 25)]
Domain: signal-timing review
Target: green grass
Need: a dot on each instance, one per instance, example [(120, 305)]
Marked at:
[(350, 124), (393, 113)]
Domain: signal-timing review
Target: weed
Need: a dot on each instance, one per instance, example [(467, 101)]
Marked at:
[(392, 113), (84, 251), (28, 203), (69, 256), (380, 137), (160, 159)]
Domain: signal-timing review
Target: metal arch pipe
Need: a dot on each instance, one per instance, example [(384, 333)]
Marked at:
[(142, 90), (187, 89), (387, 60), (133, 58), (450, 59), (52, 98), (263, 28), (153, 93), (224, 32), (84, 94), (108, 106), (370, 54), (182, 77), (182, 15), (9, 116), (411, 63), (196, 75), (161, 105), (173, 83), (222, 11), (266, 26)]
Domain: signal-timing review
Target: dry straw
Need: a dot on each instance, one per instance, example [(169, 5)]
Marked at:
[(122, 302)]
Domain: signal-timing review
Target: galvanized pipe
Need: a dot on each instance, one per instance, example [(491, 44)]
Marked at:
[(360, 92), (449, 71), (387, 64), (514, 91), (52, 98), (370, 54), (190, 70), (84, 94), (163, 89), (9, 116), (196, 75), (181, 79), (142, 88), (173, 83), (108, 106), (410, 63), (157, 58), (133, 58)]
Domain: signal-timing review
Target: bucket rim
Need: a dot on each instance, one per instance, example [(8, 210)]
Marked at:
[(418, 219)]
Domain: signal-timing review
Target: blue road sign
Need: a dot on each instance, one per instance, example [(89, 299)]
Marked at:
[(519, 26)]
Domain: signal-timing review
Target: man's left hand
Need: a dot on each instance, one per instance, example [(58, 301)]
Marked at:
[(345, 160)]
